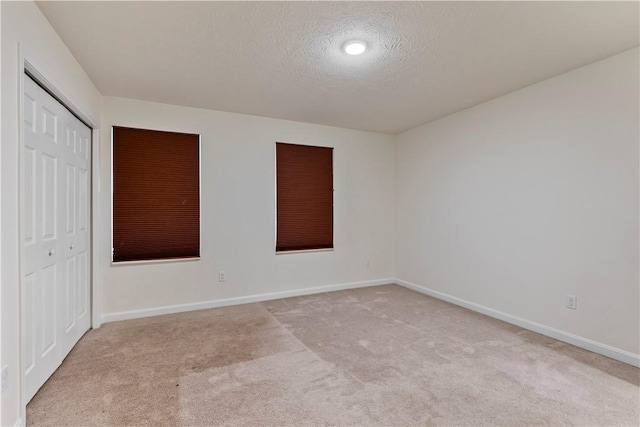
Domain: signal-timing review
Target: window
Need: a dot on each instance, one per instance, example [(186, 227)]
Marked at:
[(156, 195), (304, 176)]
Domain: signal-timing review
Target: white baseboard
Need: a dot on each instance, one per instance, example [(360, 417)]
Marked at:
[(179, 308), (578, 341), (18, 423)]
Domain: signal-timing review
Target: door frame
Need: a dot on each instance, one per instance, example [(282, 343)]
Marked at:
[(27, 64)]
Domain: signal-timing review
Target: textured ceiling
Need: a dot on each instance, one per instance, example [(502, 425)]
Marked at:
[(284, 59)]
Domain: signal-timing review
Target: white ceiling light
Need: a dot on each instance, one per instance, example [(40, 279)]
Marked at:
[(355, 47)]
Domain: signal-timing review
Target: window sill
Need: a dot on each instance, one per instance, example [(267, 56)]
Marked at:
[(304, 251), (154, 261)]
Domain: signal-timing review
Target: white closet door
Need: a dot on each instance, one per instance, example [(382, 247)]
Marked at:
[(56, 222)]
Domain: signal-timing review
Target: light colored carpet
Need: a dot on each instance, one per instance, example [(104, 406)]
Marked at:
[(374, 356)]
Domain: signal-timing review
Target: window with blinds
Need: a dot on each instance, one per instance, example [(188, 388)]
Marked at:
[(156, 195), (304, 184)]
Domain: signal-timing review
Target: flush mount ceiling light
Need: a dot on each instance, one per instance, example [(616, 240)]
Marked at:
[(355, 47)]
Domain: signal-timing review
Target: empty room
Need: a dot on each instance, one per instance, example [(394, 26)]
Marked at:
[(320, 213)]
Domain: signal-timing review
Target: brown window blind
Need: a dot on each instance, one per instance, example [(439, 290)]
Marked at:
[(156, 195), (304, 176)]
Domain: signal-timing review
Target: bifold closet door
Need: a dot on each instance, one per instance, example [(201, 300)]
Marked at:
[(56, 234)]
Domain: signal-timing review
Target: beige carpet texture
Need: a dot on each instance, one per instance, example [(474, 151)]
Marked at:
[(383, 355)]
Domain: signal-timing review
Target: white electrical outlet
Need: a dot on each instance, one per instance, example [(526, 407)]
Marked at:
[(4, 379), (572, 302), (368, 263), (221, 277)]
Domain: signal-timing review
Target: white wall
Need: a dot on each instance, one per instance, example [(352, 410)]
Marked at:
[(24, 25), (238, 210), (517, 202)]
